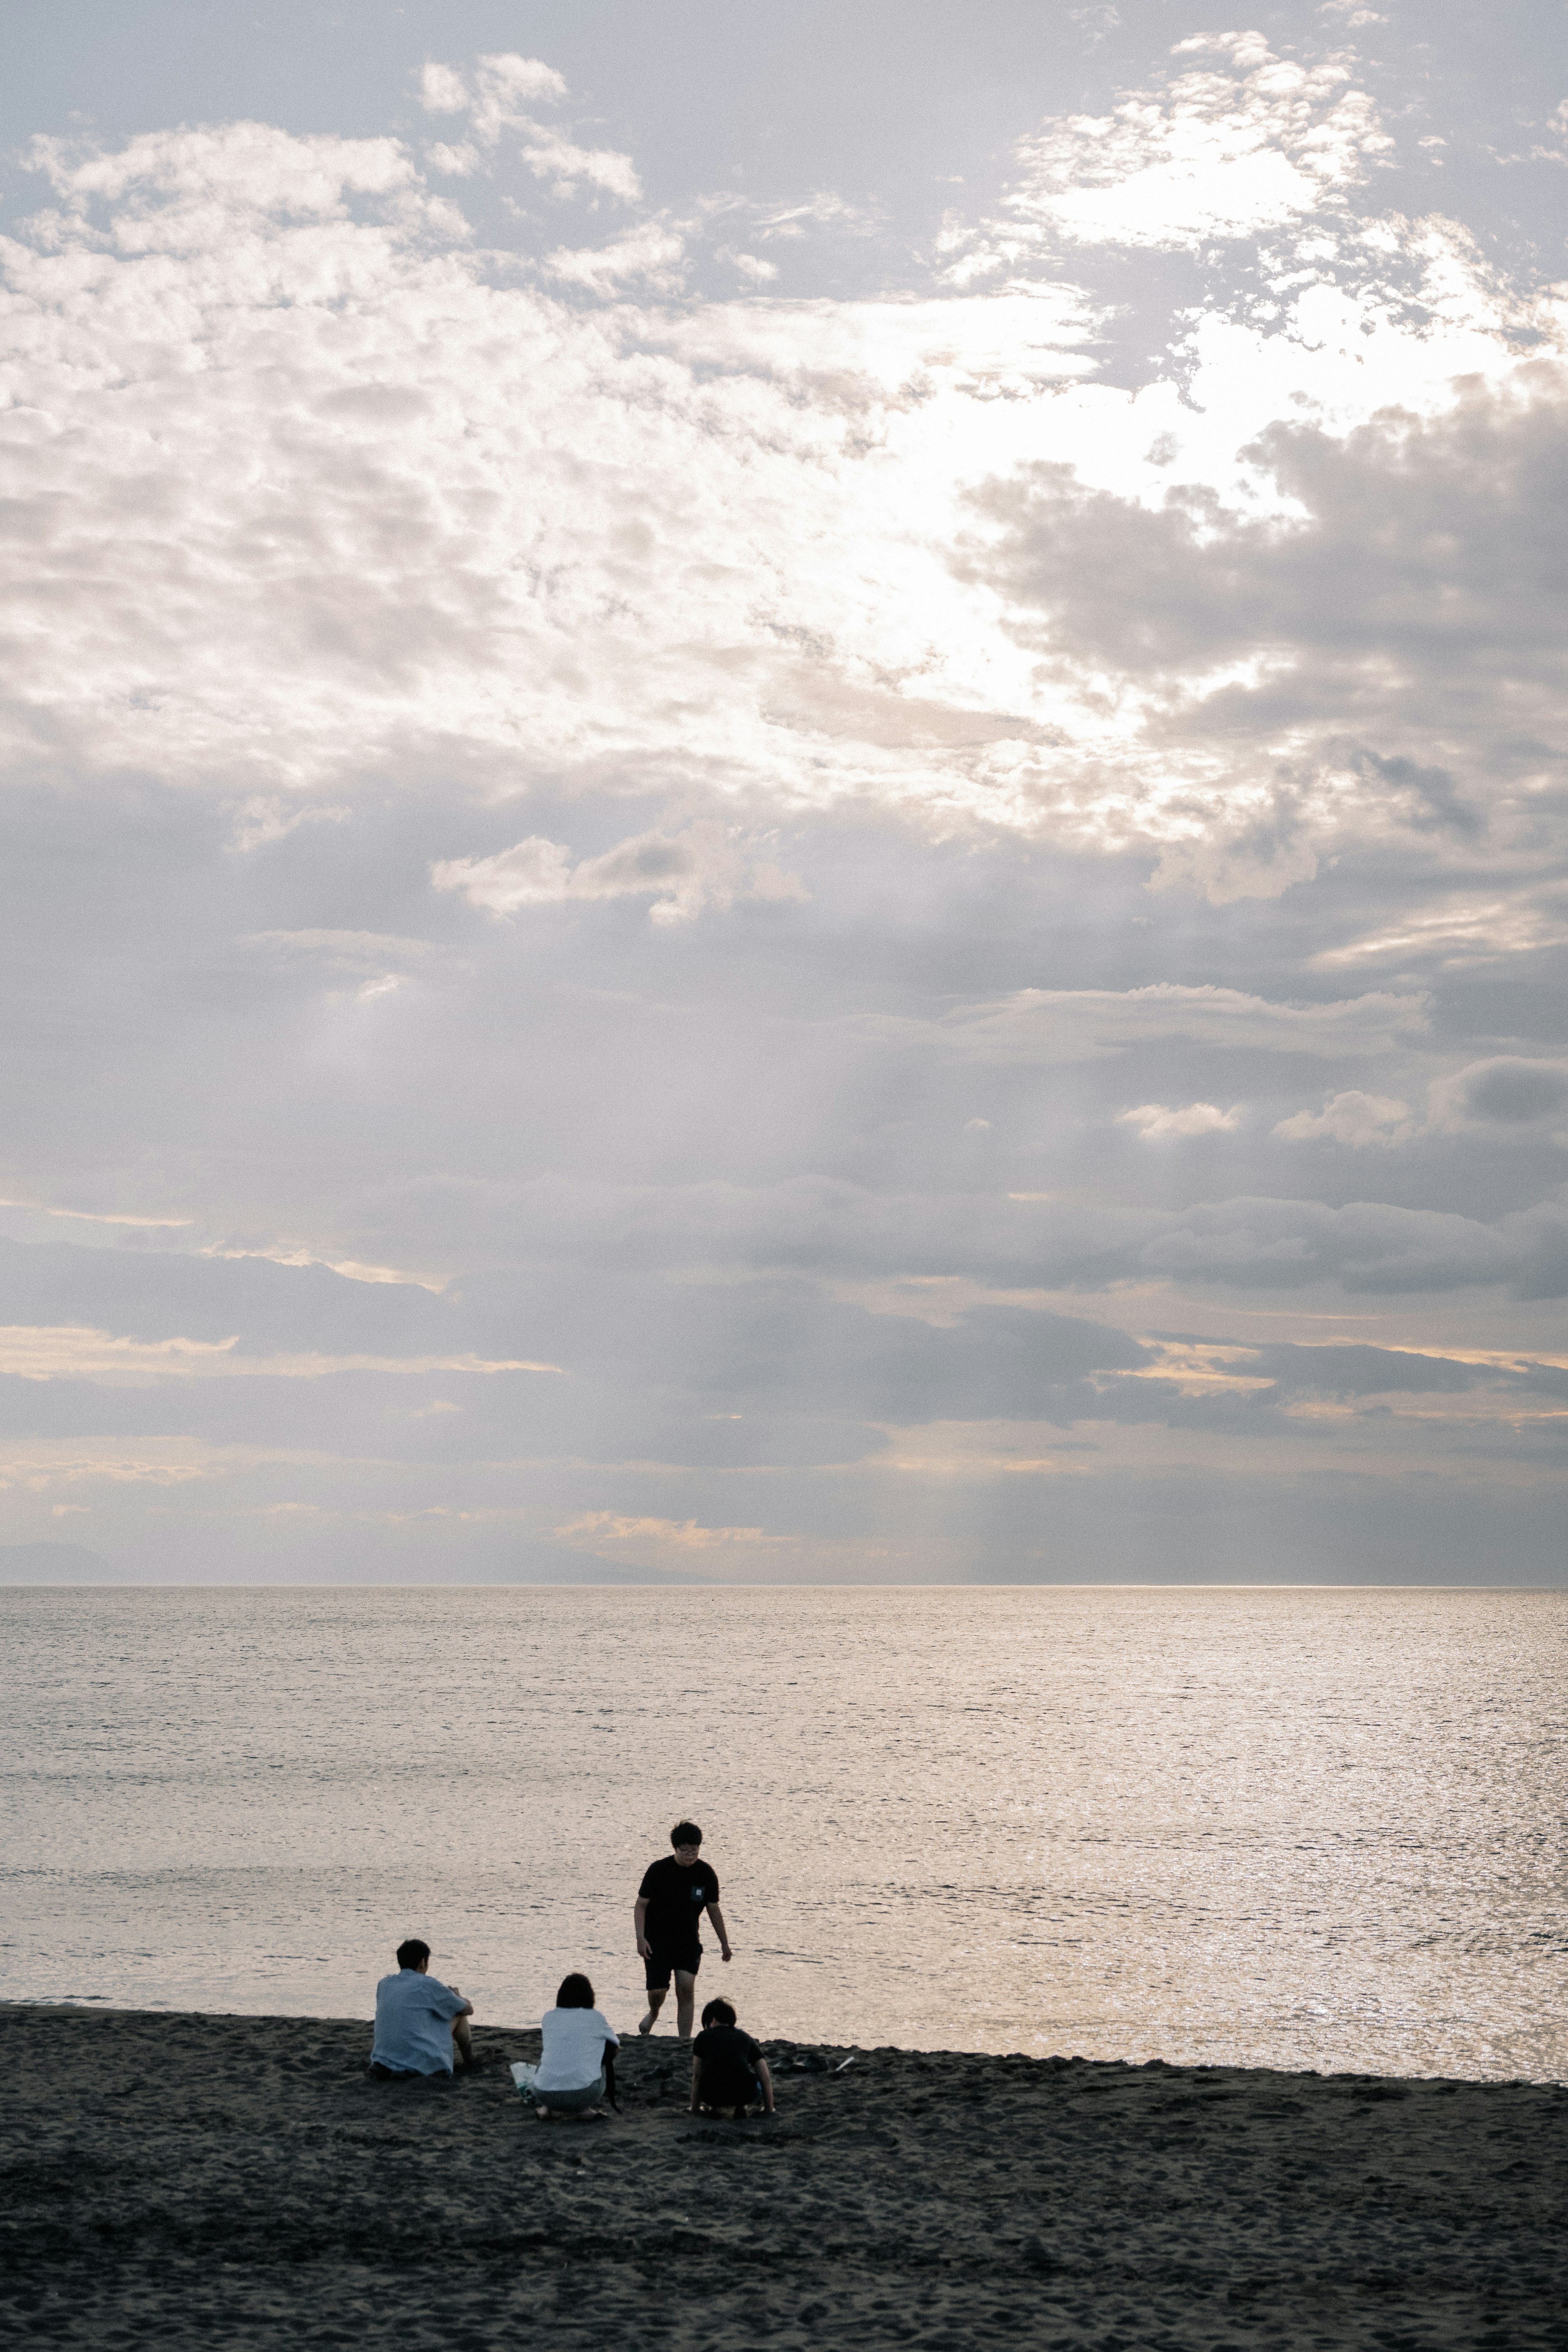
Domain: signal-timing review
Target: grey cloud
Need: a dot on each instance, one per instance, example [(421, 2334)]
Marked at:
[(682, 873), (154, 1295), (1412, 619), (1072, 1024), (1371, 1246), (833, 1228), (353, 955), (1507, 1092)]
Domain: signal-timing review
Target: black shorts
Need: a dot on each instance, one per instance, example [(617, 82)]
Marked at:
[(661, 1962)]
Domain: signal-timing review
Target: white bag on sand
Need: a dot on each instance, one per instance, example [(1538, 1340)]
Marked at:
[(525, 2076)]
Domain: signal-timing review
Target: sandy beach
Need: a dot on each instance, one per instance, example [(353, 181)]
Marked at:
[(196, 2181)]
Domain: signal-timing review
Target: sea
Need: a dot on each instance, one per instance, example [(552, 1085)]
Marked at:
[(1247, 1826)]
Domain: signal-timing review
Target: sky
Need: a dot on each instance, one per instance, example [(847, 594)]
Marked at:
[(784, 792)]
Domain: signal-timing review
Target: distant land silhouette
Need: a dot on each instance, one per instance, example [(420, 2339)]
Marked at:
[(54, 1563), (73, 1563)]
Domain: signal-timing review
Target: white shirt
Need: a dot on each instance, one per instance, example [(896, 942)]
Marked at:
[(573, 2051), (414, 2017)]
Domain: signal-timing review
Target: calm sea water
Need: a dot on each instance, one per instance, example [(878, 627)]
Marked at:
[(1289, 1827)]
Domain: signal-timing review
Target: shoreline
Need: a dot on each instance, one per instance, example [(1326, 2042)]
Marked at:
[(195, 2180), (103, 2005)]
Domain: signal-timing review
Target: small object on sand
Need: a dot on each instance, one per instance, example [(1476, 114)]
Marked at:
[(845, 2066)]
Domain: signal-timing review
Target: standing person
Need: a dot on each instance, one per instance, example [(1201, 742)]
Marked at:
[(673, 1895), (420, 2023), (574, 2038)]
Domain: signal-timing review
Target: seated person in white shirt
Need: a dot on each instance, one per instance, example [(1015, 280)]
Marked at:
[(421, 2024), (570, 2078)]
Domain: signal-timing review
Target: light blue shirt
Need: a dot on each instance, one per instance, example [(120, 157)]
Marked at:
[(414, 2023)]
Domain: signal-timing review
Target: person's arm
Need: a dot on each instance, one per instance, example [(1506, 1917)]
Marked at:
[(645, 1949), (696, 2083), (766, 2080), (718, 1929), (464, 2007)]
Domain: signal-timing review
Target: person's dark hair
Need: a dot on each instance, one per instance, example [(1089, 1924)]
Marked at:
[(686, 1833), (718, 2012), (413, 1954), (576, 1992)]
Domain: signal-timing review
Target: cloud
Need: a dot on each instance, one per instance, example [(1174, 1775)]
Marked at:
[(1505, 1096), (1155, 1123), (1378, 657), (601, 1530), (323, 497), (349, 955), (565, 167), (495, 93), (31, 1352), (653, 254), (1366, 1246), (682, 873), (1245, 143), (1351, 1117), (1045, 1025), (98, 1216), (830, 1230), (749, 266), (1462, 930), (179, 185)]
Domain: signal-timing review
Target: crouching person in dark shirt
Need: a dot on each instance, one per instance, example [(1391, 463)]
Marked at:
[(729, 2075)]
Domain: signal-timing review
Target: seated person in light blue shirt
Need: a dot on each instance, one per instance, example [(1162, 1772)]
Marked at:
[(418, 2020)]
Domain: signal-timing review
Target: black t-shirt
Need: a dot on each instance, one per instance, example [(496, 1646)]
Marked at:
[(729, 2067), (674, 1898)]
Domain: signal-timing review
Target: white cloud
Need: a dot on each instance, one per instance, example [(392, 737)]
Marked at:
[(495, 93), (351, 1269), (826, 209), (749, 266), (458, 163), (565, 167), (681, 873), (1350, 1117), (1155, 1122), (203, 175), (1246, 143), (652, 253), (1195, 1368)]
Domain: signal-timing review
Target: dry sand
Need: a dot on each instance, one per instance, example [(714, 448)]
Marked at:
[(211, 2182)]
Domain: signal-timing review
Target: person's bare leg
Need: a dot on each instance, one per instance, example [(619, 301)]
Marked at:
[(462, 2041), (685, 2003), (655, 2003)]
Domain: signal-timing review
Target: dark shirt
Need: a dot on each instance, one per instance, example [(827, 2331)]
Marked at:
[(728, 2067), (674, 1898)]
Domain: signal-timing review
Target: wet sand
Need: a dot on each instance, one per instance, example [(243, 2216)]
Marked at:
[(210, 2181)]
